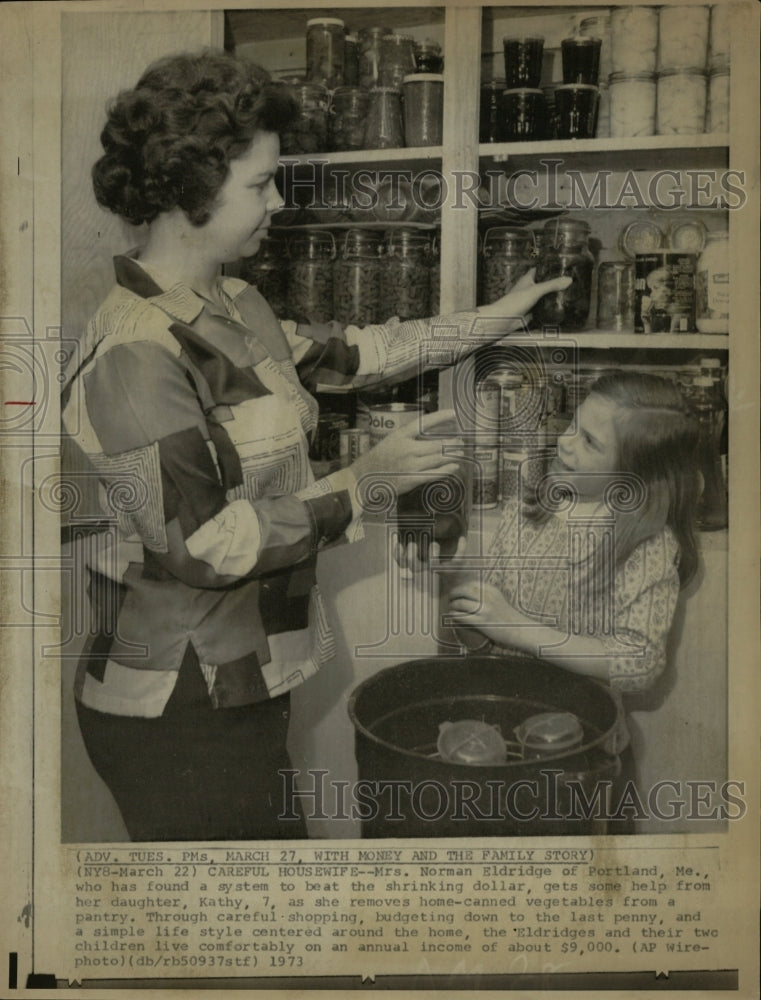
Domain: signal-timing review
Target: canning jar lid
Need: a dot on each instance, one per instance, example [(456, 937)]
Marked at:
[(641, 237), (551, 225), (330, 21), (471, 741), (682, 71), (422, 77), (576, 86), (550, 731), (524, 90), (620, 77), (689, 235)]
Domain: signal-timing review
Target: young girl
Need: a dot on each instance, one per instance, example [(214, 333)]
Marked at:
[(587, 573)]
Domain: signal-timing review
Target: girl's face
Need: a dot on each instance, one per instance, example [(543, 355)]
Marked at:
[(589, 444), (245, 203)]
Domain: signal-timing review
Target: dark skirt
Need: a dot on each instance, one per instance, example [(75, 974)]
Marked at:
[(196, 772)]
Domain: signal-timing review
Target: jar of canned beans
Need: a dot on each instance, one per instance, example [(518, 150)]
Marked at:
[(310, 277), (505, 256), (348, 118), (309, 134), (325, 51), (405, 274), (568, 254), (357, 278)]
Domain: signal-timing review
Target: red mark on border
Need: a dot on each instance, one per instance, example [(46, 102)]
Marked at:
[(19, 402)]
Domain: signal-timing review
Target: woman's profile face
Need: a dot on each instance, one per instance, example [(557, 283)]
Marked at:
[(245, 203), (589, 444)]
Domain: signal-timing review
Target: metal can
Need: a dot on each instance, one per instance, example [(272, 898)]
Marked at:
[(352, 442), (487, 410), (486, 476), (325, 447), (664, 296), (388, 417)]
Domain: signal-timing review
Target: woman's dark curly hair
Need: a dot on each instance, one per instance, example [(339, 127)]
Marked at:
[(169, 142)]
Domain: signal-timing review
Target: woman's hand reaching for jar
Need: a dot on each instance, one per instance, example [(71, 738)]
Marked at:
[(514, 309)]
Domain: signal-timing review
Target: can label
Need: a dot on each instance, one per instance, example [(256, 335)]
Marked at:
[(383, 420), (486, 477), (353, 442), (664, 296)]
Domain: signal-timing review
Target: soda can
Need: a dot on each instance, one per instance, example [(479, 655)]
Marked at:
[(389, 417), (486, 476), (353, 442)]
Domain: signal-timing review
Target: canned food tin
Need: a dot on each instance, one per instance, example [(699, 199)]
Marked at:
[(486, 477), (325, 445), (352, 442), (385, 419), (487, 404), (664, 296)]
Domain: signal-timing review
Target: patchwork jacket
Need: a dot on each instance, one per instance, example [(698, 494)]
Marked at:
[(197, 423)]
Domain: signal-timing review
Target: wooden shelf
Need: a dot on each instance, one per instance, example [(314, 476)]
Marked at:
[(410, 156)]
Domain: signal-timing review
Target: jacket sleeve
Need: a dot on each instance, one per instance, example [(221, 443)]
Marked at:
[(169, 469)]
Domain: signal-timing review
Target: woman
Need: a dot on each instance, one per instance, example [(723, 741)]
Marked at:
[(191, 394)]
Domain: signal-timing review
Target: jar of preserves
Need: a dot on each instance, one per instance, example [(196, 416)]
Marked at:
[(384, 119), (369, 55), (310, 277), (397, 60), (581, 59), (348, 118), (615, 296), (718, 101), (325, 51), (682, 37), (356, 278), (712, 285), (718, 57), (490, 111), (633, 39), (428, 57), (351, 60), (598, 26), (632, 104), (309, 134), (524, 115), (267, 271), (576, 111), (423, 97), (681, 102), (567, 254), (523, 61), (505, 257), (405, 287)]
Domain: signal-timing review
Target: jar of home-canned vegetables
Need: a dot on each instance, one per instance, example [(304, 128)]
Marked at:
[(356, 278), (682, 37), (384, 119), (348, 118), (423, 98), (310, 277), (632, 104), (405, 286), (370, 55), (397, 60), (615, 296), (718, 101), (681, 104), (309, 133), (325, 51), (267, 271), (633, 39), (505, 257), (568, 254)]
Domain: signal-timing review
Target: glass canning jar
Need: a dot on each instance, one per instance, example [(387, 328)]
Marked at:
[(384, 119), (325, 51), (682, 37), (267, 271), (369, 55), (718, 101), (598, 26), (405, 286), (310, 277), (348, 118), (566, 253), (632, 104), (423, 99), (633, 39), (615, 296), (490, 111), (523, 61), (576, 110), (397, 60), (428, 57), (356, 278), (351, 60), (309, 134), (581, 59), (505, 257), (681, 102), (524, 114)]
